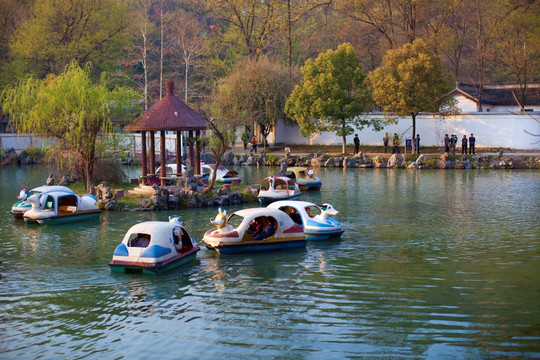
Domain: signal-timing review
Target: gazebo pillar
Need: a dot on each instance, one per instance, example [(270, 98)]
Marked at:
[(144, 159), (178, 153), (198, 151), (163, 172), (152, 153), (190, 150)]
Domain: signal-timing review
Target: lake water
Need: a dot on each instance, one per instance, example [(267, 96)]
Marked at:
[(433, 264)]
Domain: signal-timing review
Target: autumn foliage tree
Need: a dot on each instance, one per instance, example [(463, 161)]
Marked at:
[(410, 80), (72, 110)]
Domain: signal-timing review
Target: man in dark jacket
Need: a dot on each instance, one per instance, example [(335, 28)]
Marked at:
[(464, 145), (356, 144), (472, 142)]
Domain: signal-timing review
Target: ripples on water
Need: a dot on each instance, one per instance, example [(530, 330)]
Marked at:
[(432, 264)]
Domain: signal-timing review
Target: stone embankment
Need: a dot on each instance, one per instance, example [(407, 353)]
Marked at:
[(361, 160)]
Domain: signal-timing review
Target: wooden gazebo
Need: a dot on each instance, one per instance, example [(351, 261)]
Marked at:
[(169, 114)]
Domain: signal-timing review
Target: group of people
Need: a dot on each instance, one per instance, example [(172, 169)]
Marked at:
[(261, 228), (450, 144)]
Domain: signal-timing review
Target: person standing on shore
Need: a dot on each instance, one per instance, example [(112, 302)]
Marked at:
[(417, 144), (385, 140), (446, 143), (472, 143), (356, 144), (395, 143), (464, 145), (253, 144)]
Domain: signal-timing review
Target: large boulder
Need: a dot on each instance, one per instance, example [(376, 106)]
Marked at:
[(393, 161), (350, 162)]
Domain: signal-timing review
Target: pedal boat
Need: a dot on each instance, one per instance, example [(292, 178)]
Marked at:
[(223, 175), (23, 205), (304, 177), (153, 247), (233, 235), (315, 219), (276, 188), (60, 206)]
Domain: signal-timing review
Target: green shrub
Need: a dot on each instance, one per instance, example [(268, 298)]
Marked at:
[(432, 162), (271, 158)]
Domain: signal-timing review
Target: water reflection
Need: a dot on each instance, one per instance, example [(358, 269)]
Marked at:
[(437, 264)]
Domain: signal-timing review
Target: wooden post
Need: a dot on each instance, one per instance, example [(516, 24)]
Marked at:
[(163, 172), (152, 153), (144, 160), (190, 150), (178, 153), (198, 152)]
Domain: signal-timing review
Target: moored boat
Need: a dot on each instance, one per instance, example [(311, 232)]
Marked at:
[(23, 205), (223, 175), (315, 219), (304, 177), (154, 247), (257, 229), (274, 188), (59, 206)]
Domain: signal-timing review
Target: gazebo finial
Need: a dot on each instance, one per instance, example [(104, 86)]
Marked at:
[(169, 87)]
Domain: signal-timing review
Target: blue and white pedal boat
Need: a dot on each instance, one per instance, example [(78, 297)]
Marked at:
[(23, 205), (153, 247), (315, 219), (61, 206)]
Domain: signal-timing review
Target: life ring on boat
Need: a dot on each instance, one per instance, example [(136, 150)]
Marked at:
[(310, 172)]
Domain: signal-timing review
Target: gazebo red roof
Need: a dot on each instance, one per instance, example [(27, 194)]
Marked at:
[(169, 113)]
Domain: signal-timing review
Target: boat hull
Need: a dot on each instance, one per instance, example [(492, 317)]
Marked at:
[(306, 186), (323, 235), (17, 214), (237, 248), (67, 218), (118, 266)]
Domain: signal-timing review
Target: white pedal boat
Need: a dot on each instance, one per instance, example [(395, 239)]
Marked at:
[(60, 206), (234, 233), (23, 205), (223, 175), (276, 188), (315, 219), (152, 247)]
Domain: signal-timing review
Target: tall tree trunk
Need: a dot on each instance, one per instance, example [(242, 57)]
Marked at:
[(289, 40), (186, 83), (161, 55), (413, 134), (145, 63)]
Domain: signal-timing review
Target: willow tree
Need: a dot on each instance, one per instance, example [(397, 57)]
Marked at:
[(410, 80), (332, 96), (71, 110)]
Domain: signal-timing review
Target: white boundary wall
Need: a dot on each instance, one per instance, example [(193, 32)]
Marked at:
[(489, 129)]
